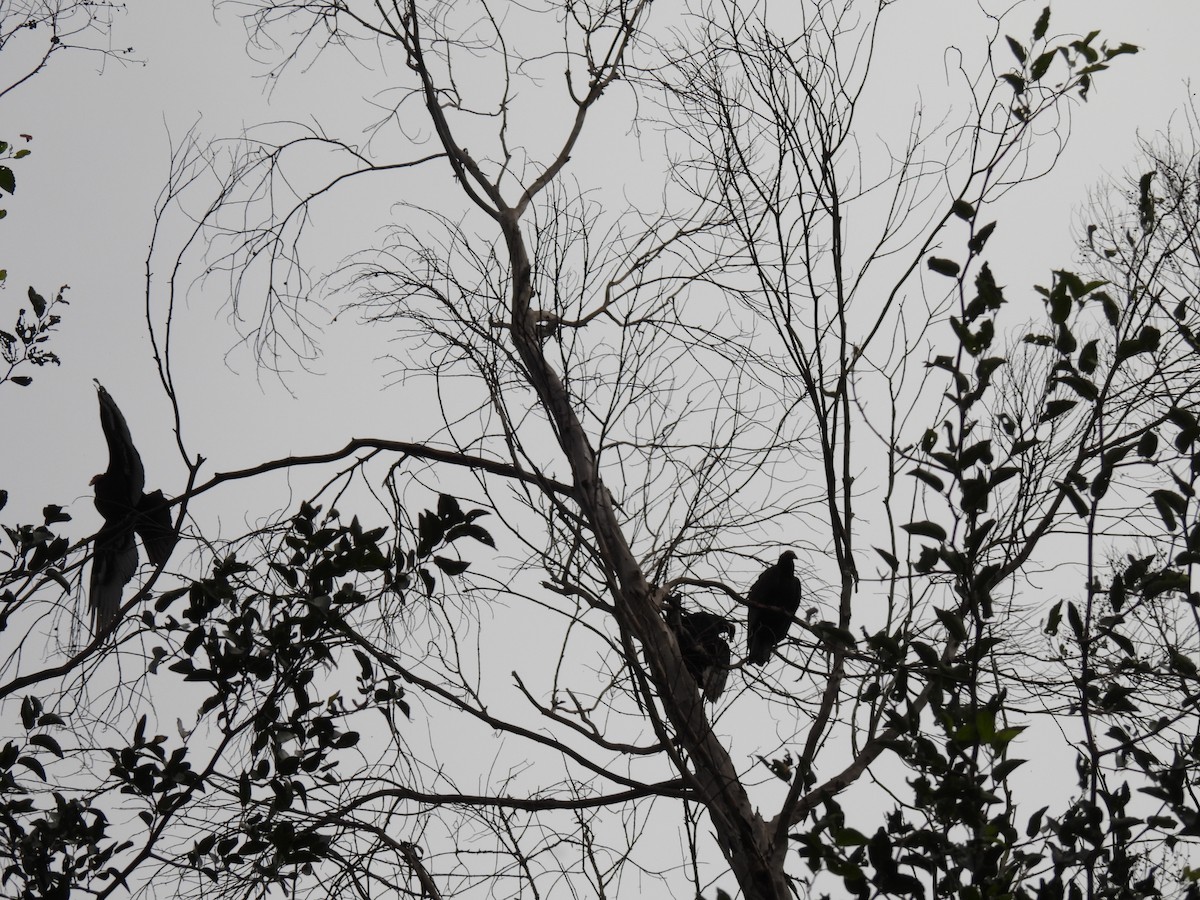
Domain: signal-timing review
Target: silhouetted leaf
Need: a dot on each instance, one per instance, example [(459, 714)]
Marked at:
[(929, 478), (38, 302), (46, 742), (34, 766), (1043, 22), (1041, 65), (926, 529), (1088, 358), (942, 266), (1180, 663), (953, 623), (1169, 505), (1080, 385), (1056, 408), (449, 510), (1016, 82), (467, 529), (975, 244), (451, 566)]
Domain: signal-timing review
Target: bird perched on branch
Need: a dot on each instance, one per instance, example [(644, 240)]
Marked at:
[(703, 644), (121, 501), (773, 601)]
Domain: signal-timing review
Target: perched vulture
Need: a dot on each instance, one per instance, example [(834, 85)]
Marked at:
[(773, 602), (703, 643), (125, 508)]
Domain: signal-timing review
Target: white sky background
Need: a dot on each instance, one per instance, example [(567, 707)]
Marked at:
[(83, 214)]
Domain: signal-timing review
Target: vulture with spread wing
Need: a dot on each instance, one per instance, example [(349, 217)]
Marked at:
[(772, 602), (704, 645), (121, 501)]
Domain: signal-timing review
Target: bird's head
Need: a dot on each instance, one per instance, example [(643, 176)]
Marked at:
[(788, 558)]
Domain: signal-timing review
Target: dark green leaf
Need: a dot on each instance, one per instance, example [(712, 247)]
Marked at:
[(927, 654), (1170, 505), (926, 561), (1080, 385), (427, 580), (1088, 358), (468, 529), (976, 243), (1056, 408), (929, 478), (30, 708), (953, 623), (926, 529), (1043, 22), (980, 452), (947, 267), (1016, 82), (1064, 341), (1180, 663), (888, 558), (8, 181), (1123, 642), (1060, 303), (448, 509), (38, 302), (1075, 621), (34, 766), (1017, 50), (46, 742), (977, 536), (963, 210), (988, 296), (1147, 445), (451, 566), (1041, 64), (1111, 312), (1002, 474), (1119, 50), (1035, 822)]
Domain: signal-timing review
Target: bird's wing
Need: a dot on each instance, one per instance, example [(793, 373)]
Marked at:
[(793, 602), (155, 528), (123, 458), (113, 563)]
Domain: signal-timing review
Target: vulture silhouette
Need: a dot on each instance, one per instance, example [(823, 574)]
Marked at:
[(773, 601), (125, 508), (703, 644)]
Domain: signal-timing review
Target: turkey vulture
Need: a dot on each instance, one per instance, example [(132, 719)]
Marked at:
[(773, 602), (703, 645), (125, 508)]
